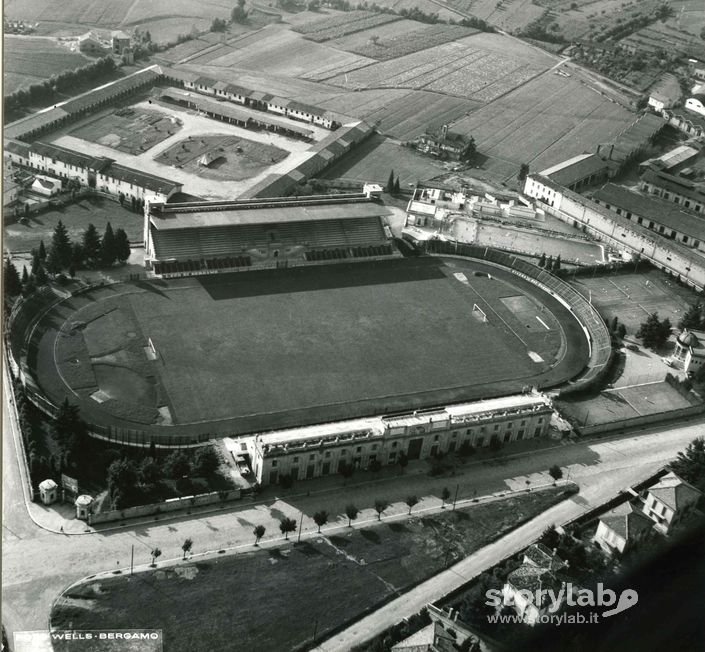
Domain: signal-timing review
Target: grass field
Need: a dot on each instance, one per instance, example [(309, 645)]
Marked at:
[(232, 157), (274, 347), (75, 217), (129, 130), (272, 600), (27, 60)]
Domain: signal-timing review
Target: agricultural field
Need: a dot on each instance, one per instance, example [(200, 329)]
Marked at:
[(456, 68), (400, 40), (129, 130), (342, 24), (509, 15), (28, 60), (513, 128), (426, 6), (227, 157), (373, 160)]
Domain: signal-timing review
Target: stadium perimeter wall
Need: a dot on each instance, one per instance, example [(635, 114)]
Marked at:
[(591, 322)]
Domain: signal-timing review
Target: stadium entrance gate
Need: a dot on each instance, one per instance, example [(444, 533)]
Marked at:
[(415, 449)]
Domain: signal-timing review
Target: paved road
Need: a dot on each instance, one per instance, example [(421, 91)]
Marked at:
[(38, 564)]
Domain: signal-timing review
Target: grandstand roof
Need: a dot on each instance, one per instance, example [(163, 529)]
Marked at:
[(264, 213)]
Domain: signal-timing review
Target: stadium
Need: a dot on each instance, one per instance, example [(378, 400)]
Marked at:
[(260, 315)]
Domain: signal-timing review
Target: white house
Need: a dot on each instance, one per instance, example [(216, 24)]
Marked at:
[(668, 501), (46, 186), (696, 103), (622, 527), (690, 350)]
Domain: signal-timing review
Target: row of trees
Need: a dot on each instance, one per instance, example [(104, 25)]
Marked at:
[(45, 91), (393, 187), (694, 317), (550, 264)]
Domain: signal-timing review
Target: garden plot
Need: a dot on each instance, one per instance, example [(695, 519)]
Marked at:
[(342, 24)]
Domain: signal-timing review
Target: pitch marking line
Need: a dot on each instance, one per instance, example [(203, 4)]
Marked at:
[(543, 323)]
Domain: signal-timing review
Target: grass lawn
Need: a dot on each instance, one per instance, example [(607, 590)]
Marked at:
[(76, 217), (272, 599)]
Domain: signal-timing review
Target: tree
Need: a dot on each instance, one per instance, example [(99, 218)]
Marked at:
[(693, 317), (122, 479), (390, 182), (621, 331), (690, 464), (25, 275), (654, 332), (36, 263), (186, 546), (259, 533), (68, 424), (380, 506), (397, 186), (176, 465), (523, 171), (615, 323), (61, 243), (287, 525), (411, 501), (108, 247), (42, 251), (91, 246), (555, 472), (77, 256), (320, 518), (549, 263), (148, 471), (219, 25), (557, 263), (238, 14), (53, 261), (403, 461), (445, 495), (156, 553), (11, 279), (122, 246), (41, 276), (351, 511), (542, 261), (206, 461)]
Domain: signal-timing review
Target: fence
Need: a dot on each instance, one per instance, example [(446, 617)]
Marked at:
[(642, 420), (174, 505), (593, 325)]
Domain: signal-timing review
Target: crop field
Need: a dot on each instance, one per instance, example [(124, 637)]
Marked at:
[(341, 24), (400, 39), (28, 60), (453, 68), (507, 14), (129, 130), (294, 347), (427, 6), (278, 51), (232, 157), (513, 128), (374, 158)]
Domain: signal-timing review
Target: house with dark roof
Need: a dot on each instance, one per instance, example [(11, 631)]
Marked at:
[(689, 122), (689, 352), (622, 528), (445, 143), (669, 501), (535, 587), (660, 215), (579, 172), (676, 189), (120, 41)]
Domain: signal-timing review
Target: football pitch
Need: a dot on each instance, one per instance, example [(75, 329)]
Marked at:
[(289, 347)]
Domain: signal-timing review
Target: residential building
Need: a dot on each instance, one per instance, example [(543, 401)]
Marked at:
[(622, 528), (445, 143), (697, 68), (664, 93), (46, 186), (671, 159), (689, 352), (537, 572), (17, 152), (696, 103), (660, 215), (689, 122), (322, 450), (121, 42), (669, 501), (91, 45)]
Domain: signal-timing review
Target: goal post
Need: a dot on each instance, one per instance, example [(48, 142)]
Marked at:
[(479, 313)]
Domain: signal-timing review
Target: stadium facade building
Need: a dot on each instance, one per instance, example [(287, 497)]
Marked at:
[(207, 237), (316, 451)]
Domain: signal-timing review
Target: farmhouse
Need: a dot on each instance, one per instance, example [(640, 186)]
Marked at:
[(654, 213), (46, 186), (676, 189), (121, 42), (446, 144), (664, 93), (617, 230), (90, 44), (322, 450), (206, 237)]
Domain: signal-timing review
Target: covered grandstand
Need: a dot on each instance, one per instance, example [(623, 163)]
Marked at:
[(205, 237)]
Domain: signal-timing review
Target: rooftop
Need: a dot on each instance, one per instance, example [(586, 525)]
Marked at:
[(674, 492), (142, 179), (693, 339), (660, 211), (296, 436), (675, 184), (675, 157), (627, 521), (531, 578), (576, 169), (69, 156)]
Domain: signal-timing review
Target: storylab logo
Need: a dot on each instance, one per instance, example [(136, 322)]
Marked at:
[(542, 605)]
